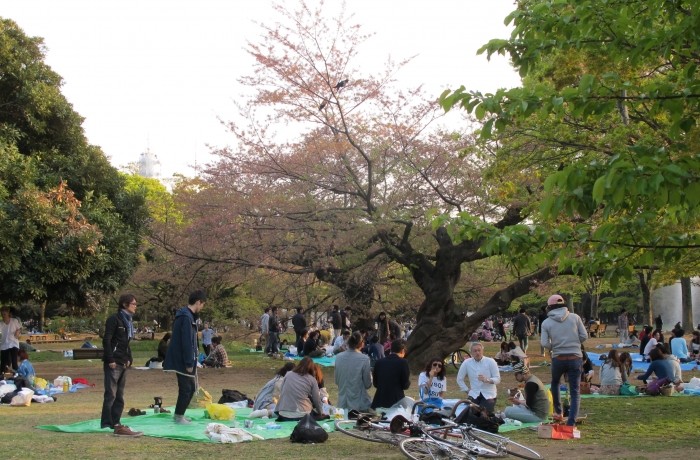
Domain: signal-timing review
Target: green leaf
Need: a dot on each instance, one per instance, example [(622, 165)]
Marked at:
[(599, 189)]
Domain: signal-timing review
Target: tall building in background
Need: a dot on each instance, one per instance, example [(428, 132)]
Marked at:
[(149, 165)]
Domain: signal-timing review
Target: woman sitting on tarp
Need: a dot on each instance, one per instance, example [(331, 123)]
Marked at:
[(503, 356), (25, 369), (612, 374), (300, 394), (312, 346), (269, 394), (659, 366)]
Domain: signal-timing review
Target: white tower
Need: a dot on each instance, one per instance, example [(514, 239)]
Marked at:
[(149, 165)]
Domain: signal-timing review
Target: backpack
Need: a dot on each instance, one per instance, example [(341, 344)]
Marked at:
[(308, 431), (479, 418), (228, 396)]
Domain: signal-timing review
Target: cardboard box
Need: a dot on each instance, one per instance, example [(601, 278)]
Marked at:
[(555, 431)]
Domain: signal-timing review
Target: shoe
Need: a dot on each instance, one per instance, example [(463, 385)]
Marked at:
[(133, 412), (123, 430), (181, 420), (164, 410)]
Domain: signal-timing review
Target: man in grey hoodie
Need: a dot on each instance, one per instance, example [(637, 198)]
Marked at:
[(562, 334)]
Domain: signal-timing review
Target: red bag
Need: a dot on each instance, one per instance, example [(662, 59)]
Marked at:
[(556, 431)]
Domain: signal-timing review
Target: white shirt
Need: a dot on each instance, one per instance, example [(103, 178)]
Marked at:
[(651, 344), (472, 368), (8, 330), (438, 386), (265, 323)]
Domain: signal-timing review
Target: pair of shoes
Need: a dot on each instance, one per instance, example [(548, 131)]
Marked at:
[(181, 420), (164, 410), (125, 431), (134, 412)]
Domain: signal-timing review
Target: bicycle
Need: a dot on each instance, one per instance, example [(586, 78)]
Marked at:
[(468, 442), (369, 430), (458, 357)]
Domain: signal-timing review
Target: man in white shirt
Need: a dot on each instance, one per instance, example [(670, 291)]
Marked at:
[(265, 329), (483, 378)]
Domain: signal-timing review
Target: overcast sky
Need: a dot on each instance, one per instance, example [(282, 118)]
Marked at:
[(157, 73)]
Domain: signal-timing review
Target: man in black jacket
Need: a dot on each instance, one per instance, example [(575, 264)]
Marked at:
[(391, 376), (119, 331), (299, 324)]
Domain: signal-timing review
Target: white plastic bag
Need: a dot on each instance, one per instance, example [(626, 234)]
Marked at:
[(224, 434), (23, 398), (694, 384)]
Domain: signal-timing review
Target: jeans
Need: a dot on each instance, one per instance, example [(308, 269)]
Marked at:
[(573, 368), (521, 413), (522, 341), (186, 388), (113, 402)]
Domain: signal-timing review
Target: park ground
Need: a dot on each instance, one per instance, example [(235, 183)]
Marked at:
[(618, 428)]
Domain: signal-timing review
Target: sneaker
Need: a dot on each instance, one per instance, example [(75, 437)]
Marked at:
[(181, 420), (123, 430)]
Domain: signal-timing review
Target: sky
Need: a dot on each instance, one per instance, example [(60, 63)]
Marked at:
[(160, 74)]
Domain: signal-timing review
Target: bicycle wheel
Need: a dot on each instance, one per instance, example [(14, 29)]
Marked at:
[(426, 448), (368, 432), (462, 439), (501, 444), (459, 356)]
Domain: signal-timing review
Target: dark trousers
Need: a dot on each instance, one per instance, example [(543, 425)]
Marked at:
[(488, 404), (9, 358), (207, 349), (186, 388), (573, 368), (274, 342), (113, 402)]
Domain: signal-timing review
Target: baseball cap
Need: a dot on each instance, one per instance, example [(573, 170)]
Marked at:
[(555, 299)]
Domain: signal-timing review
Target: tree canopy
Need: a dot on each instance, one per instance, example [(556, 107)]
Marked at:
[(69, 229)]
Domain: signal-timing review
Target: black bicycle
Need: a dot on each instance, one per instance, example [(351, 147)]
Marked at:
[(458, 357)]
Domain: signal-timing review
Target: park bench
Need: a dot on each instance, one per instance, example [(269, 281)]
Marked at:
[(593, 329), (87, 353), (601, 329)]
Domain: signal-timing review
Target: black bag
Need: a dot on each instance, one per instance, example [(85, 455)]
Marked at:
[(479, 418), (228, 396), (308, 431)]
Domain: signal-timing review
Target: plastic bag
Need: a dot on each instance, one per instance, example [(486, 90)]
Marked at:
[(220, 412), (627, 389), (40, 383), (201, 398), (22, 398), (224, 434), (308, 431)]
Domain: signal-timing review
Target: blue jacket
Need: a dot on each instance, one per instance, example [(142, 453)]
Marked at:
[(183, 346)]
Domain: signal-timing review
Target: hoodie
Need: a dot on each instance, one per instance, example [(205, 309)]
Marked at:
[(182, 349), (563, 332)]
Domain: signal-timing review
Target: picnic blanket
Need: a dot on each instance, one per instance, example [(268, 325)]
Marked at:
[(324, 361), (638, 363), (162, 426)]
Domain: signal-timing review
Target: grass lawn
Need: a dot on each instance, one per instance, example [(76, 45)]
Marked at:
[(644, 427)]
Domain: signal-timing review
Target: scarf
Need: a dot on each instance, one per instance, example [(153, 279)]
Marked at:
[(126, 317)]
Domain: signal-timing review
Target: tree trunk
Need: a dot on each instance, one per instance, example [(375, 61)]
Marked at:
[(645, 287), (686, 304), (42, 315), (441, 329)]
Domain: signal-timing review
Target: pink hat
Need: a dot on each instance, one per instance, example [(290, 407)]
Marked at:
[(555, 300)]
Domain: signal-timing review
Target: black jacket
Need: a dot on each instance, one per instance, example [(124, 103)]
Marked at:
[(298, 322), (391, 377), (116, 341)]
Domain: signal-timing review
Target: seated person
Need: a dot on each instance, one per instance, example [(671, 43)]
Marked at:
[(432, 383), (651, 344), (632, 340), (340, 342), (695, 345), (612, 374), (517, 354), (87, 344), (535, 407), (391, 376), (269, 394), (312, 346), (375, 350), (299, 394), (27, 346), (25, 368), (301, 341), (503, 356), (660, 367), (677, 377), (679, 348), (218, 356)]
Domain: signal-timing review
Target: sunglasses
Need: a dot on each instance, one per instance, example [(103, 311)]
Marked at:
[(437, 364)]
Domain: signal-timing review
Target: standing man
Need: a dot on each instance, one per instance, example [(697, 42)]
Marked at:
[(119, 331), (336, 321), (562, 334), (483, 377), (299, 324), (207, 335), (345, 318), (391, 377), (265, 329), (181, 357), (623, 326), (273, 327), (353, 376), (522, 328), (10, 328)]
